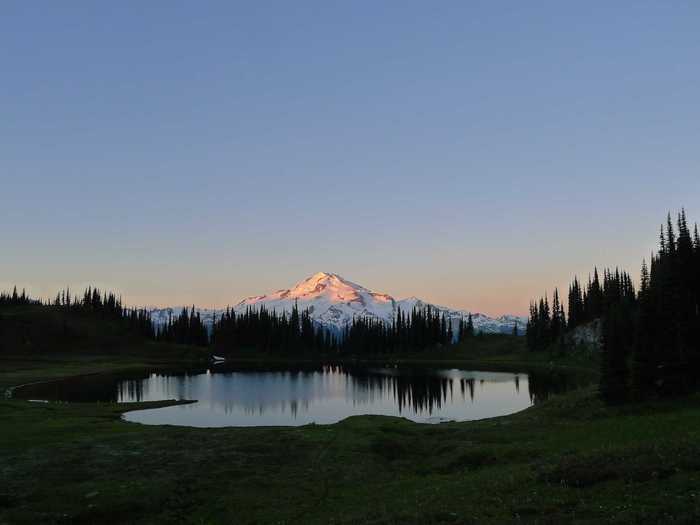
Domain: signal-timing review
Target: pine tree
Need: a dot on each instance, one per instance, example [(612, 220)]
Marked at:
[(469, 329), (614, 373)]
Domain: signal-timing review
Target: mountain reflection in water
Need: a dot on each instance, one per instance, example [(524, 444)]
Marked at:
[(321, 394)]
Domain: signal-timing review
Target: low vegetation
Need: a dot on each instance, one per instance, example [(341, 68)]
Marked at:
[(571, 458)]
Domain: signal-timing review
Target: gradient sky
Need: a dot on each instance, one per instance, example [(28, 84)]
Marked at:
[(473, 154)]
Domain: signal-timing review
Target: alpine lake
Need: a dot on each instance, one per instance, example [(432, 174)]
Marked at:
[(235, 395)]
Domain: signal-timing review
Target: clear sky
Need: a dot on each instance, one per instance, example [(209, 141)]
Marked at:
[(474, 154)]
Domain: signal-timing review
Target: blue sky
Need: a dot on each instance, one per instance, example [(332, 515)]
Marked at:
[(470, 153)]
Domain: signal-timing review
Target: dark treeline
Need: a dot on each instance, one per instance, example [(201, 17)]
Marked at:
[(267, 331), (597, 300), (103, 304), (107, 305), (409, 331), (666, 349), (547, 327), (187, 329), (650, 339), (17, 299), (294, 333)]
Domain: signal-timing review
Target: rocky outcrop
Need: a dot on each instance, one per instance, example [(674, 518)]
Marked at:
[(589, 334)]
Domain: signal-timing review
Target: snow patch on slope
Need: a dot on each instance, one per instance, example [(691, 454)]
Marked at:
[(333, 301)]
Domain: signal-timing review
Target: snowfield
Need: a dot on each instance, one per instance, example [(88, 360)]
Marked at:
[(333, 302)]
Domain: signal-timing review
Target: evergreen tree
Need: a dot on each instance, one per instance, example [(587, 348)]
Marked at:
[(650, 339), (469, 328)]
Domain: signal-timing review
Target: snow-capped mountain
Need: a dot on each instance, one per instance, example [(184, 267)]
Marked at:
[(333, 301)]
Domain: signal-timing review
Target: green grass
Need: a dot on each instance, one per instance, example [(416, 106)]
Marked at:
[(568, 460)]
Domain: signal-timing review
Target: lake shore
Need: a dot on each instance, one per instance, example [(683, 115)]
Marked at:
[(568, 458)]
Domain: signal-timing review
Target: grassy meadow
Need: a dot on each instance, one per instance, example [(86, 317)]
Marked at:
[(570, 459)]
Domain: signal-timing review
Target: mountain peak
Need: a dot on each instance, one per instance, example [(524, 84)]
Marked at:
[(322, 276), (327, 284), (333, 301)]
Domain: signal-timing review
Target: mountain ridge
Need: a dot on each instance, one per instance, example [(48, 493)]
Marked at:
[(333, 301)]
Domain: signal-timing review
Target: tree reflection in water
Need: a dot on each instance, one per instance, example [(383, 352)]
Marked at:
[(323, 393)]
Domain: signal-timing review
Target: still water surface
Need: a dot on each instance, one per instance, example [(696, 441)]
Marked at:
[(319, 394)]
